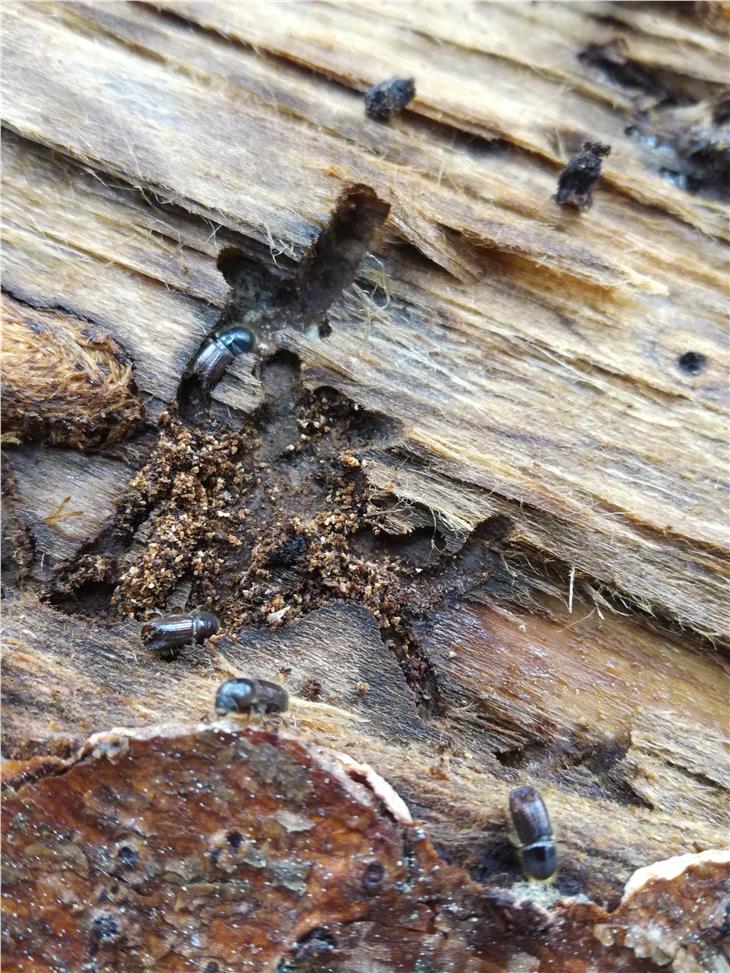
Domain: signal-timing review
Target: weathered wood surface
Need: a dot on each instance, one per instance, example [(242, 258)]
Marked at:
[(514, 509), (540, 368)]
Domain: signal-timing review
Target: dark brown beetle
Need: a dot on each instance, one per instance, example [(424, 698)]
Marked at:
[(218, 352), (535, 843), (166, 635), (250, 695)]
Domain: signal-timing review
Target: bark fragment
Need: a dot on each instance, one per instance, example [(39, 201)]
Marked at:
[(221, 846)]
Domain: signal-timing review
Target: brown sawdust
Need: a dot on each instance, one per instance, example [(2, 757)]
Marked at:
[(265, 531)]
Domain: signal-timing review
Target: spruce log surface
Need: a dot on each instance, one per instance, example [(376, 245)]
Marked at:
[(468, 498)]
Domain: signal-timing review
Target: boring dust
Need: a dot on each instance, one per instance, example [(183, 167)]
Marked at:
[(264, 525)]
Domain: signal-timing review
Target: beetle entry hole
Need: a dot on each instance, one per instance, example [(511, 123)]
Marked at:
[(692, 362), (234, 839)]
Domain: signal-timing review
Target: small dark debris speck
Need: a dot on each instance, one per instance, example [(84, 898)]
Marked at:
[(288, 552), (212, 967), (127, 856), (576, 181), (234, 839), (387, 98), (104, 929), (317, 942), (692, 362), (372, 878), (311, 688)]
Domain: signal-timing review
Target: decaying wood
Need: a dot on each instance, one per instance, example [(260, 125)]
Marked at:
[(466, 498), (327, 880), (244, 841), (63, 495), (617, 801), (573, 326)]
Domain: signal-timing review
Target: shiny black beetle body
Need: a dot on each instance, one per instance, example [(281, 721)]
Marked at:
[(534, 833), (218, 352), (166, 635), (250, 696)]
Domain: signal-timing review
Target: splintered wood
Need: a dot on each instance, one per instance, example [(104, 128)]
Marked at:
[(466, 501), (540, 367)]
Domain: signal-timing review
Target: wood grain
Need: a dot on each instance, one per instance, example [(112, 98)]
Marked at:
[(65, 498), (519, 48), (526, 390), (523, 453)]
